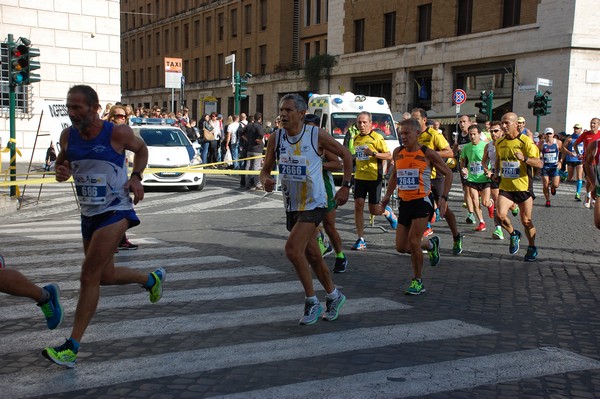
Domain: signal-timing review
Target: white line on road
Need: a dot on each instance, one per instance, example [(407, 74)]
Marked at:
[(184, 324), (149, 264), (435, 378), (55, 258), (177, 296), (186, 276), (89, 375)]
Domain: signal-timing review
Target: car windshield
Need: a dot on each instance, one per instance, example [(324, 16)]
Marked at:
[(382, 124), (163, 137)]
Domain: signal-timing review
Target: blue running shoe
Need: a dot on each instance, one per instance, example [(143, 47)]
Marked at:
[(531, 254), (515, 237), (391, 217), (52, 309), (2, 262), (359, 245)]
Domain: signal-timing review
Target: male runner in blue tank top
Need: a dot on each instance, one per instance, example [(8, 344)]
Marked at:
[(93, 152)]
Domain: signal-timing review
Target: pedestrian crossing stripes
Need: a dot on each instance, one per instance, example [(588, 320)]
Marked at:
[(434, 378), (95, 374), (192, 323)]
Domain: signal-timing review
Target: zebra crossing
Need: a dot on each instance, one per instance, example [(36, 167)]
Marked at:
[(232, 323)]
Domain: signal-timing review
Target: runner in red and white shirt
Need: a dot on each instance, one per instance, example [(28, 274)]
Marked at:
[(586, 138)]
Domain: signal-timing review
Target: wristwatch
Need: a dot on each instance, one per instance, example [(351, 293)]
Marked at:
[(444, 197), (138, 174), (375, 153), (346, 183)]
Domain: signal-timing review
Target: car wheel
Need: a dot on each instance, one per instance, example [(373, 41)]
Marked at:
[(200, 186)]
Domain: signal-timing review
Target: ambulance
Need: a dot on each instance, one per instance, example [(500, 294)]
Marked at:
[(339, 111)]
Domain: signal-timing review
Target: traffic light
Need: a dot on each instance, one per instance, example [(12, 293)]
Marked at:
[(537, 104), (546, 104), (485, 105), (21, 62), (243, 86)]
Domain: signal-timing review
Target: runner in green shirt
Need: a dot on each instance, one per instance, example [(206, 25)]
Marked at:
[(477, 183)]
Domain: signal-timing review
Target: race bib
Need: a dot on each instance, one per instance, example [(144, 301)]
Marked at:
[(292, 168), (91, 188), (510, 169), (551, 157), (360, 153), (476, 168), (407, 179)]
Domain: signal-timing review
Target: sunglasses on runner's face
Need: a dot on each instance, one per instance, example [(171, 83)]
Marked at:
[(120, 116), (494, 130)]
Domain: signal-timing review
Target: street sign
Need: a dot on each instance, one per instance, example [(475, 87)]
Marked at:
[(173, 73), (459, 96), (544, 82), (229, 59)]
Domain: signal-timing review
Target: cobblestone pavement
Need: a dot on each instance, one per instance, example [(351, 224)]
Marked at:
[(489, 325)]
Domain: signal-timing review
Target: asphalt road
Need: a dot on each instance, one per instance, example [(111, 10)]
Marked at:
[(489, 325)]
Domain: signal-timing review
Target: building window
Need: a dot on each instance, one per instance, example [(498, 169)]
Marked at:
[(186, 36), (158, 75), (234, 23), (207, 69), (221, 65), (326, 10), (248, 60), (389, 38), (186, 68), (197, 33), (148, 45), (127, 81), (465, 17), (149, 77), (157, 43), (196, 69), (262, 51), (208, 30), (259, 106), (359, 35), (264, 14), (317, 12), (307, 12), (142, 81), (317, 47), (166, 44), (141, 47), (133, 80), (176, 38), (248, 19), (306, 52), (133, 48), (424, 23), (220, 26), (125, 51), (512, 13), (156, 9)]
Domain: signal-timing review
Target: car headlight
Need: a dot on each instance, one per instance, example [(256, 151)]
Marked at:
[(196, 160)]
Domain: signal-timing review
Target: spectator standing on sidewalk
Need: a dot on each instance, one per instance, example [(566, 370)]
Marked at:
[(254, 134)]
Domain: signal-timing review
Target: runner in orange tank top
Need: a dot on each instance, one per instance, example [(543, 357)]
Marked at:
[(411, 177)]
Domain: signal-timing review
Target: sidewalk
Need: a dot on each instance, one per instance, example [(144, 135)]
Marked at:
[(8, 205)]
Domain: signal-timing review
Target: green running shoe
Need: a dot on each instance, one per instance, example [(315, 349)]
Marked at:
[(156, 291), (515, 211), (457, 247), (63, 355), (416, 287), (498, 234), (434, 253)]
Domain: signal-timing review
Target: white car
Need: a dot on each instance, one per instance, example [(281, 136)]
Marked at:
[(168, 148)]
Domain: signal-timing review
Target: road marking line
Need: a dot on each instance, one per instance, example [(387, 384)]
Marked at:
[(89, 374), (185, 276), (435, 378), (182, 324), (147, 265), (177, 296)]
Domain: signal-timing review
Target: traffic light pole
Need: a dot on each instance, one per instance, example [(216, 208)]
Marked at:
[(12, 144), (236, 93)]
